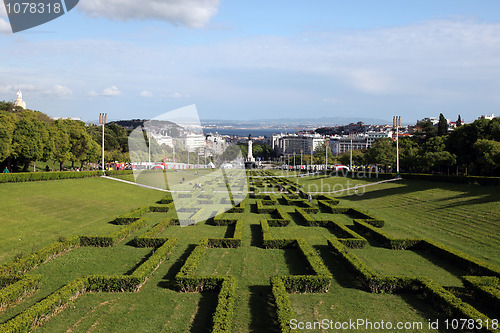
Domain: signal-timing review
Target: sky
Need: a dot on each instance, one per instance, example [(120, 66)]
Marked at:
[(244, 60)]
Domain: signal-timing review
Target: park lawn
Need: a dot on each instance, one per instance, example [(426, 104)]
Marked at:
[(158, 306), (36, 214), (465, 217)]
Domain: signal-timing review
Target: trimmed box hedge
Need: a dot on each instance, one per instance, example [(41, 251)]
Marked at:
[(284, 310), (113, 239), (34, 259), (19, 290), (385, 239), (486, 289)]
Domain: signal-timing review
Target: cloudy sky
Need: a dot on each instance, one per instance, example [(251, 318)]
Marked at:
[(259, 59)]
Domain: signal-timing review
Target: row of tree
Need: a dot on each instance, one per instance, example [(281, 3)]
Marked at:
[(471, 149), (28, 136)]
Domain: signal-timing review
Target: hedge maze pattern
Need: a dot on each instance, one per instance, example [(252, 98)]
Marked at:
[(284, 202)]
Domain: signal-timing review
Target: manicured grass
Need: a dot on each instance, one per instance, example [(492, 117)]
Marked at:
[(35, 214), (465, 217), (410, 209)]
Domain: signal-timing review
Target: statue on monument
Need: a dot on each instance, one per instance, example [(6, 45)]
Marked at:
[(250, 160)]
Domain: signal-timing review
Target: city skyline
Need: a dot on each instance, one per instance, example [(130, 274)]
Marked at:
[(242, 61)]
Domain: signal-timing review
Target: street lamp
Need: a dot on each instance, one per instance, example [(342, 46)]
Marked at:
[(396, 122), (103, 119), (327, 144), (351, 137), (149, 134), (293, 161), (301, 152)]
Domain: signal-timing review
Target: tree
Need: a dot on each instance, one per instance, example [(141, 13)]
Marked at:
[(442, 126), (459, 121), (382, 151), (7, 126), (28, 140), (427, 130), (488, 152)]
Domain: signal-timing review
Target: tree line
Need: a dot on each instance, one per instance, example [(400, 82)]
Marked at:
[(28, 136), (470, 149)]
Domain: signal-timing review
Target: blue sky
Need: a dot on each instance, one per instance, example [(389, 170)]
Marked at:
[(259, 59)]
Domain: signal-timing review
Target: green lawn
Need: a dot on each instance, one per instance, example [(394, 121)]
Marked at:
[(35, 214), (463, 217)]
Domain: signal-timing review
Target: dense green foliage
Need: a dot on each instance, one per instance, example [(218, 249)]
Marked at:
[(28, 136), (470, 149)]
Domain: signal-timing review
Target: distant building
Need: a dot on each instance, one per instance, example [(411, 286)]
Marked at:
[(68, 118), (286, 144), (19, 100), (194, 141), (489, 117), (342, 144)]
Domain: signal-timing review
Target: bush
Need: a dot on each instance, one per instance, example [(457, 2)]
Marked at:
[(223, 315), (273, 243), (40, 312), (149, 266), (131, 216), (113, 239), (29, 262), (485, 288), (40, 176), (473, 265), (15, 292), (385, 239), (284, 310)]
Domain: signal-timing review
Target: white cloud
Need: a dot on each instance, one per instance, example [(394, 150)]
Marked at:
[(192, 13), (175, 94), (111, 91), (59, 91), (146, 94), (92, 93)]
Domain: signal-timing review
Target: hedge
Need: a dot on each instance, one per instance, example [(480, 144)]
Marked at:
[(15, 292), (440, 297), (284, 310), (262, 209), (385, 239), (451, 305), (223, 316), (131, 216), (115, 238), (319, 281), (473, 265), (348, 237), (233, 242), (34, 259), (273, 243), (149, 239), (40, 312), (485, 288)]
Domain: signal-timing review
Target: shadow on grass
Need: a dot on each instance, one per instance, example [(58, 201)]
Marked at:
[(341, 274), (262, 310), (168, 281), (202, 322), (143, 260), (426, 310), (256, 234), (296, 263), (230, 231), (468, 296), (444, 264)]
